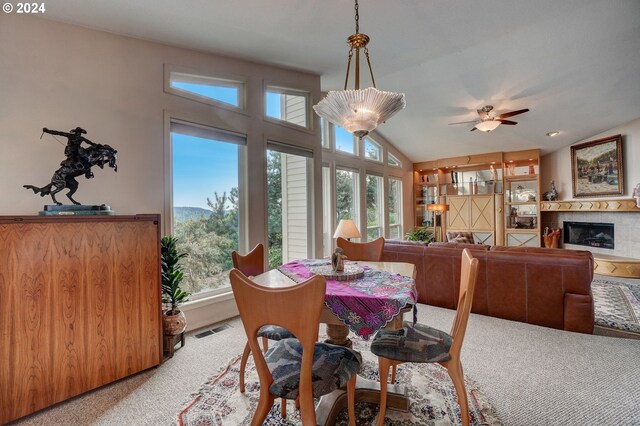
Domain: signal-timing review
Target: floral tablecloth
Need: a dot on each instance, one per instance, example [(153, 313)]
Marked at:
[(366, 304)]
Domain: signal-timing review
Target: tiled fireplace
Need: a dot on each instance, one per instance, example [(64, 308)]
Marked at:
[(626, 230)]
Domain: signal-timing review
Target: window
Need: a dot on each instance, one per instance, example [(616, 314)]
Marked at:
[(393, 161), (288, 105), (374, 208), (288, 203), (372, 151), (347, 195), (395, 208), (327, 232), (345, 141), (206, 194), (207, 89)]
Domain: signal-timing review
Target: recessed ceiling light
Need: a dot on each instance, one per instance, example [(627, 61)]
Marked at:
[(552, 134)]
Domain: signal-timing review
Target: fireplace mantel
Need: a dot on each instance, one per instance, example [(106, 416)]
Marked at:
[(602, 205)]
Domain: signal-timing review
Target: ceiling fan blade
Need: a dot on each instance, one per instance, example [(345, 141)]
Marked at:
[(511, 114), (464, 122), (474, 128), (508, 122)]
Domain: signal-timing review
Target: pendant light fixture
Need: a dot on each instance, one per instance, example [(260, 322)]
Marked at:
[(359, 111)]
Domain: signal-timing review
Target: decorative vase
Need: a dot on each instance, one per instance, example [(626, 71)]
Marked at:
[(173, 324)]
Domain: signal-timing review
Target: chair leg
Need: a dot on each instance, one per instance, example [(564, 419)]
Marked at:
[(393, 374), (351, 399), (454, 368), (383, 366), (265, 344), (262, 410), (243, 365), (283, 408)]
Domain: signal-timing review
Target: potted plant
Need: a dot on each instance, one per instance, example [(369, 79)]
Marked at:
[(420, 234), (174, 321)]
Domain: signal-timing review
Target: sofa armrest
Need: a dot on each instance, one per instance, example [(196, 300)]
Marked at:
[(578, 313)]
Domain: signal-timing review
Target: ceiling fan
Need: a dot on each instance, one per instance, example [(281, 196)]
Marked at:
[(488, 122)]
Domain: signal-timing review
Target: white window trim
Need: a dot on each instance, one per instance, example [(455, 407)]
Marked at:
[(221, 80), (380, 148), (284, 90)]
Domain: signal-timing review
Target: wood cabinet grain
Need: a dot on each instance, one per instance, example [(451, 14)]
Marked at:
[(80, 306)]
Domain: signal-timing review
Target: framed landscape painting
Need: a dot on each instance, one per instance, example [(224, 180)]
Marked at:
[(596, 168)]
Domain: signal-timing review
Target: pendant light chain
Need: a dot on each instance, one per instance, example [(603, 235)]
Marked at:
[(357, 18)]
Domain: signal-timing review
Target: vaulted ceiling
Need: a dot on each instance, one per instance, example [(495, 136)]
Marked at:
[(574, 63)]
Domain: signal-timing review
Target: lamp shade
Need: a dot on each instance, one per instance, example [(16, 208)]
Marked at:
[(488, 125), (346, 229), (438, 207)]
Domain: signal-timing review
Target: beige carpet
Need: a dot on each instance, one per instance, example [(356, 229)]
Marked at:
[(531, 375)]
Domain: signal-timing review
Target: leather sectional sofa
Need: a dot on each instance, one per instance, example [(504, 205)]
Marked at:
[(547, 287)]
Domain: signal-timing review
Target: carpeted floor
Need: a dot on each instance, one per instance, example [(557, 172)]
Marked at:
[(532, 376)]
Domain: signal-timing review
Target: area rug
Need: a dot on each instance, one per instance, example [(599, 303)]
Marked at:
[(431, 393), (616, 304)]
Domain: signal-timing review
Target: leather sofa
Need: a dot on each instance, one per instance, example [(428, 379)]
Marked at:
[(547, 287)]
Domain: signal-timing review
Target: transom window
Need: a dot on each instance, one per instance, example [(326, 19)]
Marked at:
[(207, 89), (393, 161), (372, 150), (345, 141), (288, 105)]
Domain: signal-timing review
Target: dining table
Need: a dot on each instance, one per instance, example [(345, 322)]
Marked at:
[(378, 299)]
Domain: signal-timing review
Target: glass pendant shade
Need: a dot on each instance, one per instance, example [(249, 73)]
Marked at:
[(488, 125), (359, 111)]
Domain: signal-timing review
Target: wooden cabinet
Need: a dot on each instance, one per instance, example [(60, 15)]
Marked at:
[(80, 306), (522, 199), (475, 214)]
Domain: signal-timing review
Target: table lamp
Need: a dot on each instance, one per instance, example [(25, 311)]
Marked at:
[(347, 230), (437, 209)]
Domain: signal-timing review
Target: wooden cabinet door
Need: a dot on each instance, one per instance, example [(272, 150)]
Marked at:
[(80, 307), (481, 213), (458, 214)]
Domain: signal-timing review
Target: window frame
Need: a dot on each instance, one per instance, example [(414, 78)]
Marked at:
[(224, 80), (397, 166), (377, 145), (242, 214), (281, 89), (382, 208), (388, 210)]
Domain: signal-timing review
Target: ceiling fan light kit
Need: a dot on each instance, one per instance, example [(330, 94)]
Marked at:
[(359, 111), (487, 122)]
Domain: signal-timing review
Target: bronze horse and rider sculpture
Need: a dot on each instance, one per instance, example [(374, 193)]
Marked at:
[(79, 162)]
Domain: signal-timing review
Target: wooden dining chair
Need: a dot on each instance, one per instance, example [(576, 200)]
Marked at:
[(421, 343), (252, 264), (371, 251), (294, 368)]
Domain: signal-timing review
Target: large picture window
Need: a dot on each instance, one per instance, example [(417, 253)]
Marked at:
[(375, 207), (206, 193), (395, 208), (347, 195), (288, 203)]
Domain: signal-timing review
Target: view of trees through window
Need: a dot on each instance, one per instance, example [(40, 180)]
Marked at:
[(374, 207), (205, 208), (274, 207)]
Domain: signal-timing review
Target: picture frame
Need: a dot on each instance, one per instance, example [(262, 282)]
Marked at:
[(597, 169)]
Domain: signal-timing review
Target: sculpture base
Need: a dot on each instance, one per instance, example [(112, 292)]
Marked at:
[(76, 210)]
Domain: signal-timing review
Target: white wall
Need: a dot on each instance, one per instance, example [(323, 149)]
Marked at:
[(557, 165)]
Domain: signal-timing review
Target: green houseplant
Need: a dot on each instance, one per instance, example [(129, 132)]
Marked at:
[(174, 320), (420, 234)]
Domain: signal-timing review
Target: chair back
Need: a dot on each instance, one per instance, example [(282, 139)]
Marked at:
[(296, 308), (371, 251), (468, 276), (252, 263)]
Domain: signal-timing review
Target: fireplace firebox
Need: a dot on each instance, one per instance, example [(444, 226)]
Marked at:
[(589, 234)]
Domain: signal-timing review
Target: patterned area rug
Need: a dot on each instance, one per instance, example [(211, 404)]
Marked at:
[(617, 304), (432, 396)]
